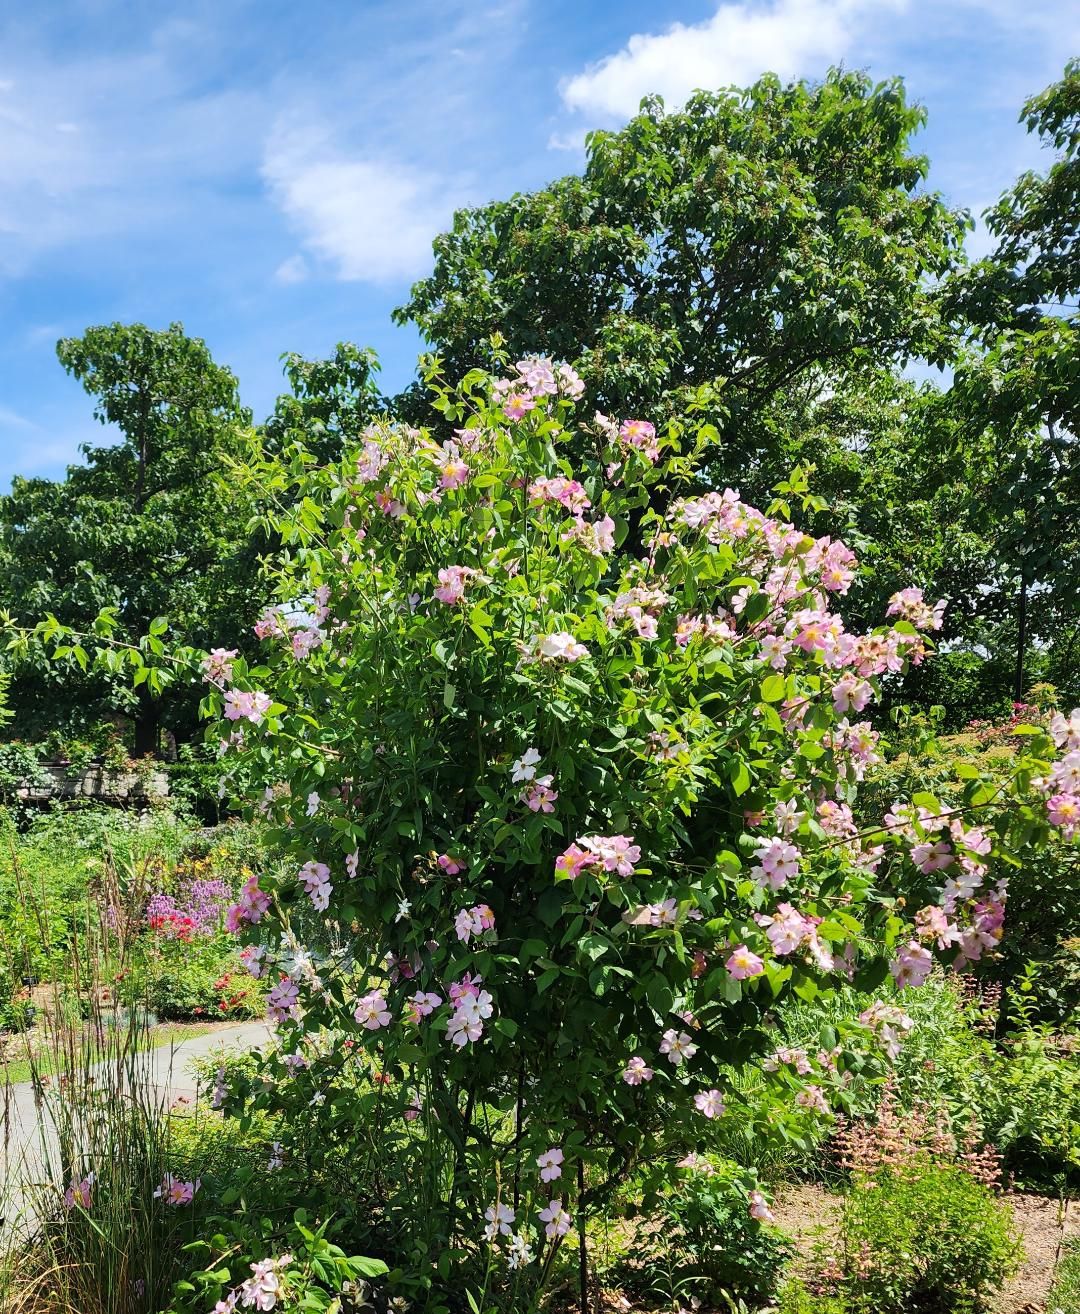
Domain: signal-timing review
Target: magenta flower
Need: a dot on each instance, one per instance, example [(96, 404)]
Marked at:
[(786, 929), (253, 956), (710, 1103), (453, 472), (850, 694), (388, 504), (472, 1006), (474, 922), (250, 908), (371, 1011), (550, 1164), (370, 462), (663, 914), (909, 605), (518, 404), (304, 641), (932, 924), (573, 861), (315, 877), (617, 853), (637, 1071), (452, 581), (678, 1047), (422, 1005), (556, 1218), (930, 857), (540, 797), (777, 863), (641, 435), (217, 665), (912, 965), (1065, 731), (283, 1001), (561, 645), (813, 1098), (450, 865), (175, 1192), (78, 1193), (241, 705), (1063, 811), (743, 965)]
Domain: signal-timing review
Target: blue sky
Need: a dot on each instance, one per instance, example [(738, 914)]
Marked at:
[(271, 174)]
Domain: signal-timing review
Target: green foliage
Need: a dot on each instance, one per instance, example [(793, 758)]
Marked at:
[(795, 1298), (20, 768), (314, 1272), (1019, 389), (201, 980), (1029, 1106), (1042, 929), (143, 529), (1064, 1296), (703, 1233), (390, 742), (932, 1240), (330, 402), (733, 246)]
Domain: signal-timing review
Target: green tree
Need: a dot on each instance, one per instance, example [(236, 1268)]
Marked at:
[(1019, 389), (720, 253), (144, 527), (330, 402)]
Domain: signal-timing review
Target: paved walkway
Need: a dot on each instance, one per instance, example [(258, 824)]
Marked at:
[(26, 1127)]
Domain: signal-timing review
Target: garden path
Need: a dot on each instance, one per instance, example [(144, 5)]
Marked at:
[(27, 1134)]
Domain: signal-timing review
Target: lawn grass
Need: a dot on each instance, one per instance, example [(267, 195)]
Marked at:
[(49, 1064), (1065, 1293)]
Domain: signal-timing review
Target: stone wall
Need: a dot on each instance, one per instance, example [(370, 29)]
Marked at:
[(99, 783)]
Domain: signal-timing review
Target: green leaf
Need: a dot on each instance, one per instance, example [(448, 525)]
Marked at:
[(773, 688), (739, 775)]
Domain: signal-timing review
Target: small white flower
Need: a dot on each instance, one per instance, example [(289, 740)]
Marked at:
[(525, 767)]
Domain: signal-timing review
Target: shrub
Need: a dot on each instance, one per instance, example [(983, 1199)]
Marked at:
[(1029, 1103), (1064, 1297), (564, 758), (708, 1237), (196, 981), (572, 819), (934, 1239)]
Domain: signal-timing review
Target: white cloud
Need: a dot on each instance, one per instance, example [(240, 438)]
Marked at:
[(735, 46), (99, 145), (370, 219), (292, 270), (10, 419)]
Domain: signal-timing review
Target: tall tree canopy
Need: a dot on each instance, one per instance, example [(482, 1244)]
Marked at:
[(1018, 391), (734, 245), (330, 402), (144, 526)]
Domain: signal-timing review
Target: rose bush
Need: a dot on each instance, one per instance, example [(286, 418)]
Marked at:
[(565, 755)]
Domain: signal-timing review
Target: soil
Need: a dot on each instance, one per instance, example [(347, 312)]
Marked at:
[(808, 1212)]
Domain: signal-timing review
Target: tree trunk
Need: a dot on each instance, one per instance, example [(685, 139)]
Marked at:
[(147, 727), (1021, 638), (583, 1251)]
